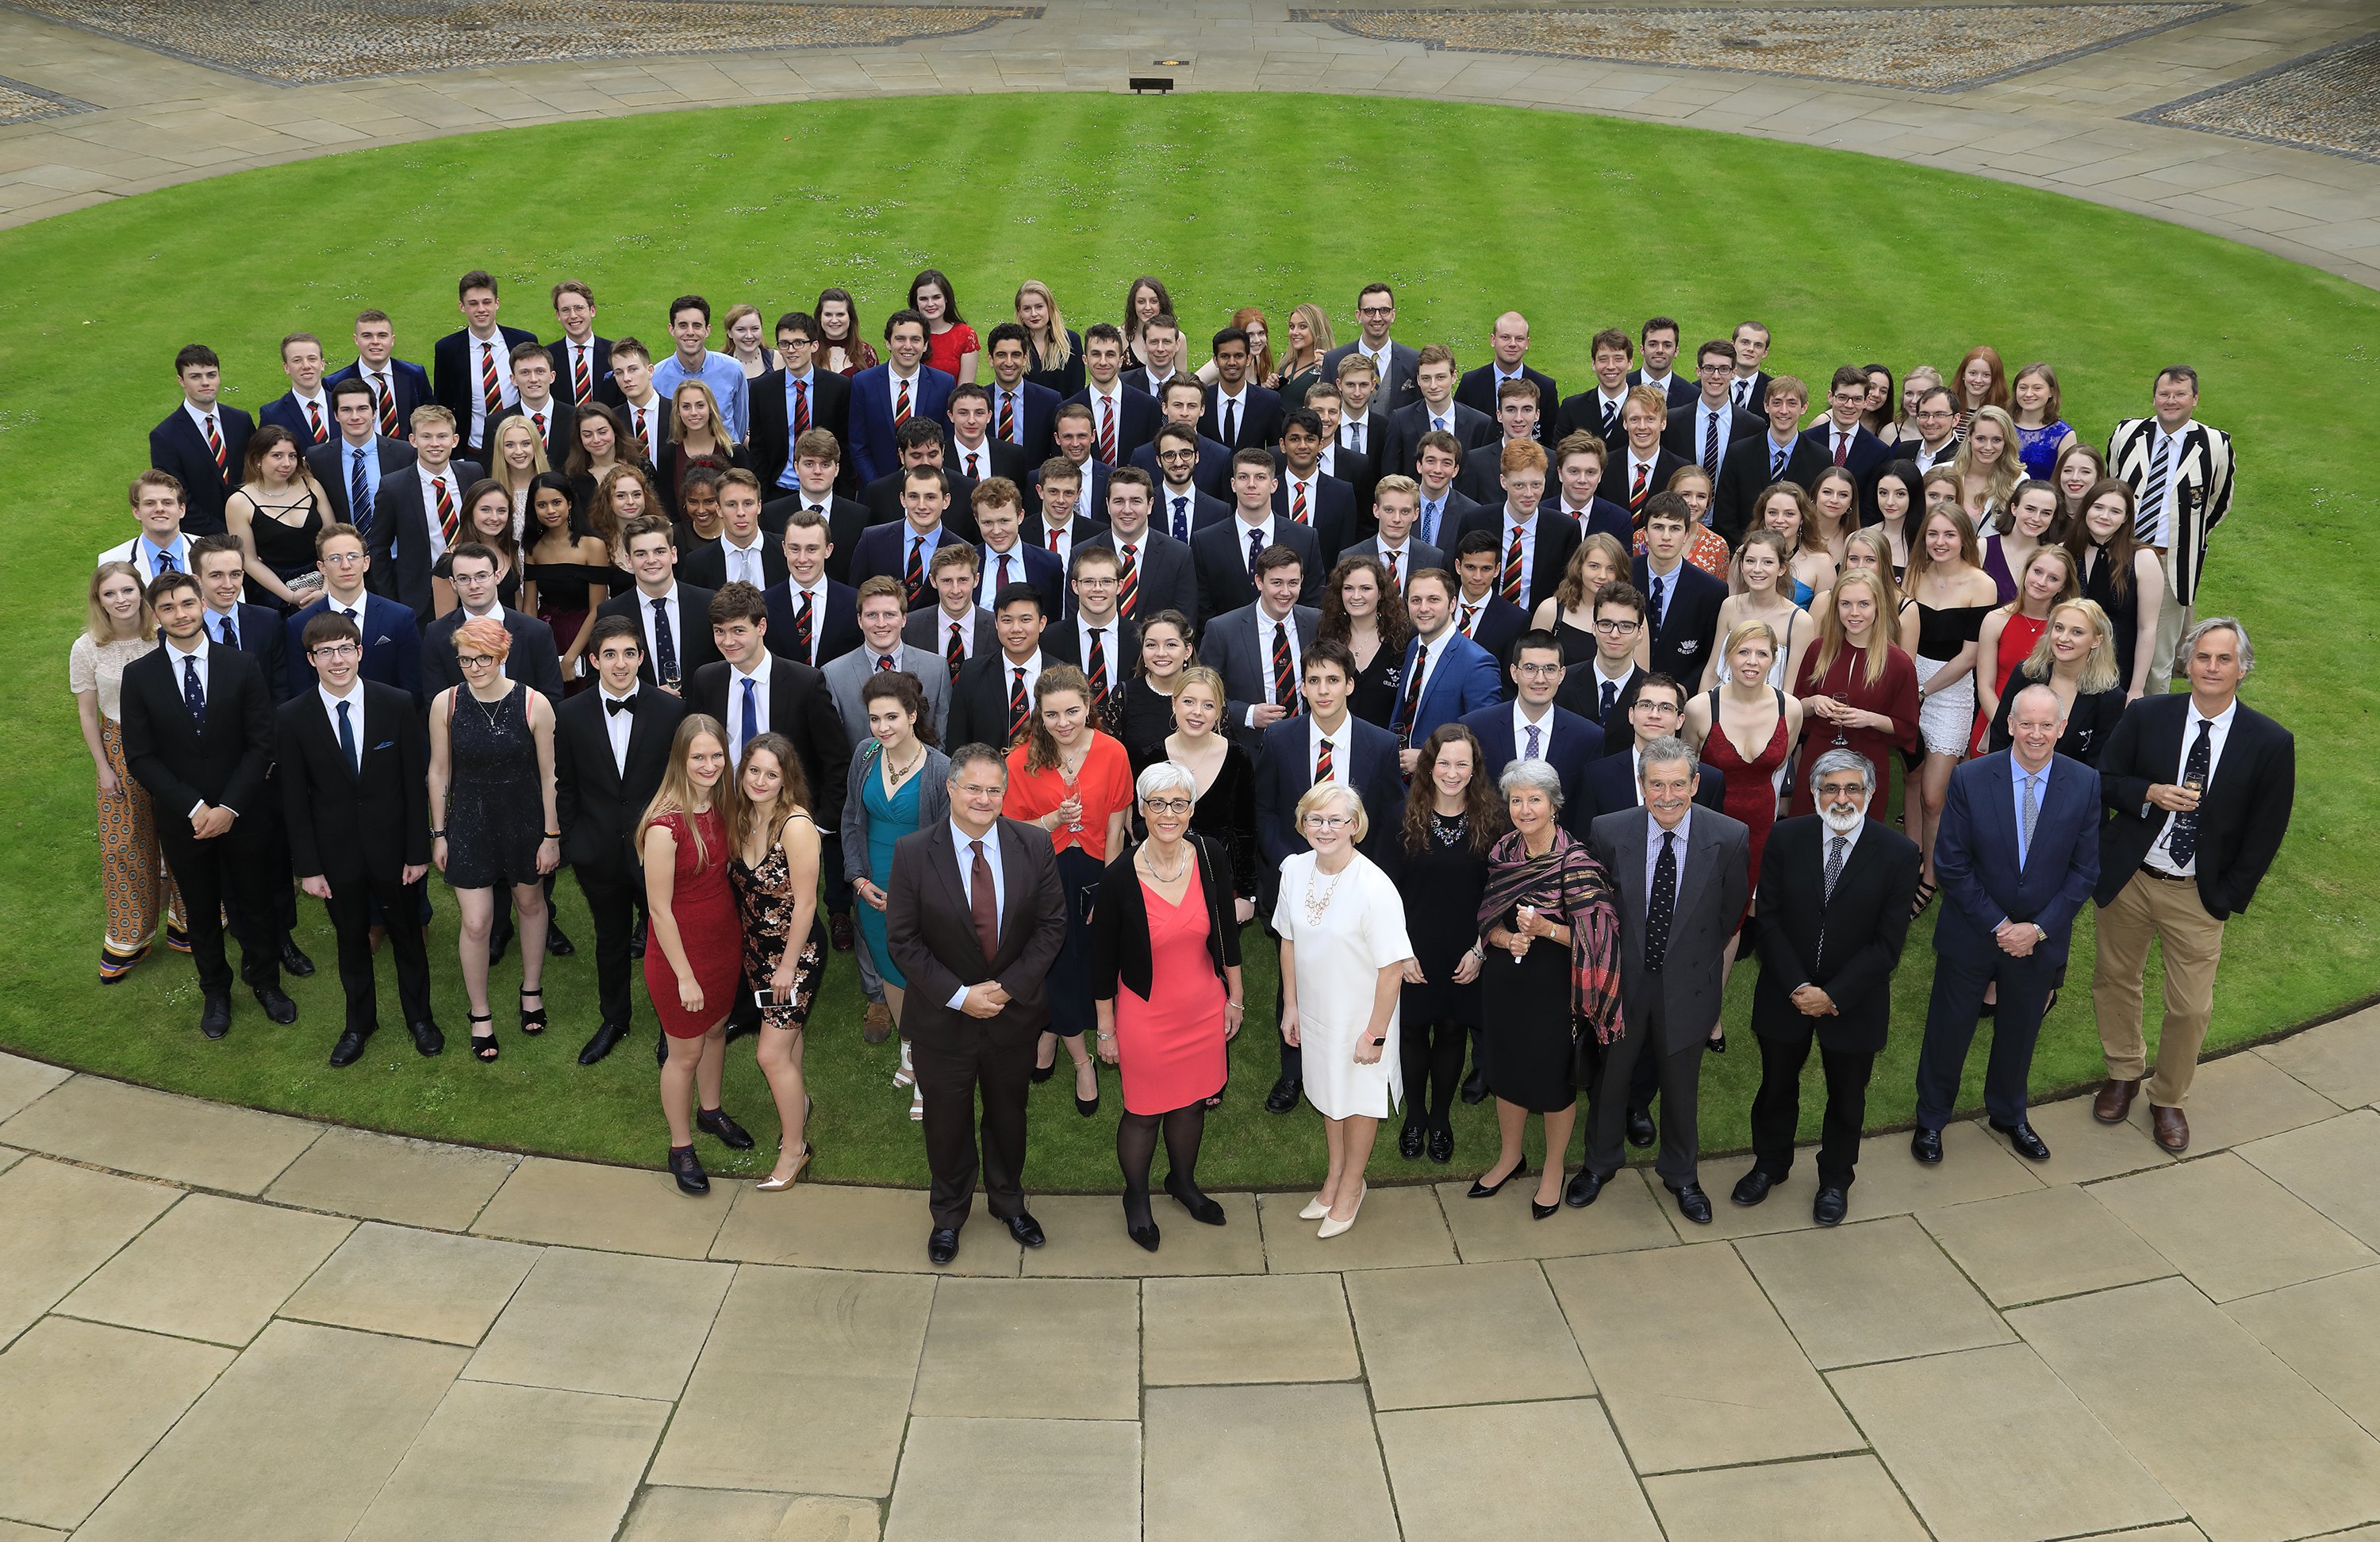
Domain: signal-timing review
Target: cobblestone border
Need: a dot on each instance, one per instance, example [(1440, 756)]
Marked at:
[(2158, 114), (1336, 18), (59, 107)]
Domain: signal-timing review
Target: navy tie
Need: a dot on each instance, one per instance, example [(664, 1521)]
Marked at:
[(1256, 549), (664, 645), (193, 694), (1610, 696), (1532, 754), (751, 715), (230, 633), (1661, 906), (1181, 518), (1657, 586), (166, 563), (359, 495), (347, 742)]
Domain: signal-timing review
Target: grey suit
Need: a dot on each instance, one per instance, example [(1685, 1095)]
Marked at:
[(1669, 1013), (1235, 646), (1419, 555), (847, 674)]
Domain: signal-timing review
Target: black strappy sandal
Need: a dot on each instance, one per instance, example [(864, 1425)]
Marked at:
[(1925, 893), (533, 1023), (484, 1046)]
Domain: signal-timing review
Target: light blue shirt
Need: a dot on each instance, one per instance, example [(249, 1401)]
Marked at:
[(370, 450), (722, 373), (965, 844), (807, 379), (2017, 776), (1653, 833), (180, 552)]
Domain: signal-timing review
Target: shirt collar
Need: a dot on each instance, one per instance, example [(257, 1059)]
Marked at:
[(2017, 773), (206, 640), (1653, 832), (759, 673), (332, 700), (607, 695), (2222, 720)]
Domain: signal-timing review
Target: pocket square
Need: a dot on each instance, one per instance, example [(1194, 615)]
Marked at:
[(380, 640), (385, 744)]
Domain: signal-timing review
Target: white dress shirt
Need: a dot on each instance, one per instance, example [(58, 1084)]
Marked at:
[(617, 726), (488, 352), (1231, 410), (1398, 560), (1710, 421), (1312, 486), (988, 584), (965, 845), (2165, 449), (974, 460), (354, 702), (1523, 724), (1342, 746), (945, 623), (1428, 653), (645, 419), (791, 645), (676, 625), (1107, 629), (736, 678), (175, 655), (430, 482), (1527, 530), (200, 416), (1266, 632), (2161, 853), (743, 562), (321, 414)]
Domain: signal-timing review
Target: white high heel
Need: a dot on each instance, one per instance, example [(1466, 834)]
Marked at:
[(1332, 1227), (1315, 1209), (917, 1104), (906, 1075)]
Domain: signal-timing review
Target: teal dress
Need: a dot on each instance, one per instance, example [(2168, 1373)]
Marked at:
[(887, 820)]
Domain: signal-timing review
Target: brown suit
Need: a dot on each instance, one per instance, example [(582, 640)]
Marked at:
[(930, 930)]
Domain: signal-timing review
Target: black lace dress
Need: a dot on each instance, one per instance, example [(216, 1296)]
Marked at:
[(495, 811)]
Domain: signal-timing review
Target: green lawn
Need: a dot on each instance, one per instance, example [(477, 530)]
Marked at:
[(1582, 223)]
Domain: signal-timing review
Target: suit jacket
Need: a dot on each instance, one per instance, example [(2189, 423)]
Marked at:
[(1477, 390), (882, 500), (1603, 517), (929, 631), (694, 647), (182, 766), (978, 710), (835, 629), (1062, 643), (1332, 515), (1745, 472), (1213, 477), (1683, 642), (1974, 854), (1237, 645), (1374, 420), (1037, 420), (1398, 385), (1573, 745), (598, 370), (1714, 881), (1757, 403), (1556, 539), (1221, 553), (1285, 771), (1032, 564), (846, 673), (347, 823), (392, 646), (177, 445), (706, 565), (1165, 578), (330, 464), (1499, 626), (994, 458), (1617, 479), (1610, 784), (1685, 422), (1682, 390), (2241, 817), (802, 709), (869, 452), (883, 551), (286, 411), (1204, 508), (1865, 460), (2201, 487), (598, 806), (1137, 418), (1358, 472), (846, 520), (930, 930), (408, 381), (1454, 509), (401, 524), (263, 635), (1465, 680), (770, 438), (1419, 555), (1847, 946), (1098, 500), (533, 660), (1259, 424), (1583, 693), (454, 385), (561, 427), (1586, 411), (1408, 423), (1482, 475), (1077, 530)]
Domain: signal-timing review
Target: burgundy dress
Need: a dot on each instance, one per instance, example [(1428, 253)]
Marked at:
[(1894, 695), (709, 929), (1751, 795)]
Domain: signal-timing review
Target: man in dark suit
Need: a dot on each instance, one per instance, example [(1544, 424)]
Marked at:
[(392, 643), (969, 449), (303, 409), (1394, 365), (2016, 853), (1596, 411), (1304, 496), (1239, 414), (1095, 638), (1022, 412), (399, 386), (201, 442), (1434, 410), (1481, 613), (1681, 876), (1639, 469), (1160, 344), (1603, 689), (1121, 419), (1578, 459), (1681, 601), (1531, 726), (417, 513), (904, 548), (533, 660), (955, 627), (812, 619), (354, 763), (1444, 508), (894, 392), (919, 442), (256, 631), (1186, 470), (1749, 389), (471, 368), (1072, 485), (1297, 749), (1778, 454), (1446, 676), (1510, 340), (1362, 416), (358, 457), (1533, 552), (1835, 893), (991, 700), (610, 749), (198, 734), (1614, 782), (1483, 465), (754, 691), (1226, 555), (743, 550), (1396, 505), (792, 399), (1700, 432), (1352, 467), (1256, 647), (2199, 789), (974, 916), (1936, 439), (1662, 338), (1007, 557), (673, 617), (582, 361), (555, 420), (818, 463), (1155, 572), (1842, 440)]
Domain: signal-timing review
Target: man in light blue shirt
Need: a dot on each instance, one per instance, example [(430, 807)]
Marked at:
[(690, 324)]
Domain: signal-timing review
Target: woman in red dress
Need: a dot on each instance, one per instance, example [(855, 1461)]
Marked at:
[(1744, 709), (695, 955), (1858, 691), (951, 344), (1166, 933), (2008, 635)]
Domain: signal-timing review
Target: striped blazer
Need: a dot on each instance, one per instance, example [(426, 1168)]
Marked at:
[(2199, 489)]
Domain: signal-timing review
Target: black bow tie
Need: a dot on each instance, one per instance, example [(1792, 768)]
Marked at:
[(623, 704)]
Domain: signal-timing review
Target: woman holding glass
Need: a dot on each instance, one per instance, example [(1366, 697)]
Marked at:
[(1858, 691)]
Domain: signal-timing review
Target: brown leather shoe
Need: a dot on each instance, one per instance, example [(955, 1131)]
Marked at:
[(2170, 1128), (2115, 1100), (877, 1026)]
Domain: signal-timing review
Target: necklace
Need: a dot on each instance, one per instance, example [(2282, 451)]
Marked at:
[(1315, 908), (895, 775), (1180, 868)]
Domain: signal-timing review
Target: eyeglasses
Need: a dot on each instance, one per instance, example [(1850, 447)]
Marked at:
[(334, 650), (468, 660), (1539, 672), (1167, 805), (1327, 821), (1376, 310), (1618, 628), (341, 559)]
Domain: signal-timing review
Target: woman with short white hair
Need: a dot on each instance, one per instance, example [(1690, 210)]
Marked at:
[(1342, 956)]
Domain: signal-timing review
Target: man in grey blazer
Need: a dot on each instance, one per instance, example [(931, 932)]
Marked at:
[(884, 609), (1396, 508), (1259, 651), (1682, 875)]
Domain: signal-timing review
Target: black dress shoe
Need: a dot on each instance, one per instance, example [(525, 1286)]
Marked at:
[(839, 930), (1828, 1208), (276, 1003), (1584, 1185), (1693, 1203), (497, 940), (687, 1169), (731, 1134), (1409, 1141), (1753, 1187), (1539, 1212), (293, 960), (1283, 1096), (1441, 1143), (425, 1036), (636, 944), (1025, 1229), (2020, 1134), (214, 1018), (1204, 1209), (1640, 1128), (1925, 1144), (351, 1047), (556, 944), (606, 1039), (1475, 1087), (942, 1244), (1716, 1044)]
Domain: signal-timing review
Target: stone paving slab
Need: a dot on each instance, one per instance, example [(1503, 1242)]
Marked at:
[(1464, 1333), (210, 1269), (2340, 1060), (612, 1208), (80, 1403), (1877, 1291), (736, 1515), (2232, 1231), (1017, 1480), (2243, 1097), (1625, 1215), (1833, 1498), (836, 1226), (1513, 1470), (2050, 1243), (157, 1135), (1031, 1349), (1265, 1328), (57, 1224), (1262, 1465), (2331, 1166), (2322, 1330), (603, 1322), (23, 1080), (1398, 1228), (1088, 1238), (421, 1284), (377, 1177)]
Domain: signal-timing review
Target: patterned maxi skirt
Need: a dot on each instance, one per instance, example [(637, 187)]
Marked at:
[(137, 890)]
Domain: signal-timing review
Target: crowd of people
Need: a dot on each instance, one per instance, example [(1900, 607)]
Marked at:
[(1511, 720)]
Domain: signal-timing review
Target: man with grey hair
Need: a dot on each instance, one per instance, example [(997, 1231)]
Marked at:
[(2198, 791), (1682, 875), (1835, 894)]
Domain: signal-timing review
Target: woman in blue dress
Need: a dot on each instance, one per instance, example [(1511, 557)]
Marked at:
[(2041, 435), (899, 783)]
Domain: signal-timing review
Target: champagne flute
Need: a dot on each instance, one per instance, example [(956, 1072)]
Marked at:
[(1840, 699)]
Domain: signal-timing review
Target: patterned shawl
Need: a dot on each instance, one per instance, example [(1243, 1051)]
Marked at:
[(1568, 887)]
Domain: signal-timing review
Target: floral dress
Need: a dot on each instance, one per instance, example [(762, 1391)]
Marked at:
[(764, 900)]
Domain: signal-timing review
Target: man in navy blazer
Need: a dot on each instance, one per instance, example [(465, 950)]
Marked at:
[(1510, 339), (303, 409), (1209, 469), (1023, 411), (885, 551), (1481, 613), (1121, 419), (1393, 363), (1305, 496), (532, 661), (201, 442), (255, 630), (406, 538), (336, 463), (792, 399), (1576, 495), (1530, 727), (877, 395), (1240, 414), (1519, 518), (1228, 554), (1436, 411), (812, 618), (582, 361), (471, 368), (2012, 895), (392, 640), (1162, 576), (1008, 557), (1445, 676), (1708, 424), (398, 385), (1681, 601), (1245, 646), (1781, 453), (1842, 440)]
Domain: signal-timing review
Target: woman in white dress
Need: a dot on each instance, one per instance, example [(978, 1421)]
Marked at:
[(1342, 956)]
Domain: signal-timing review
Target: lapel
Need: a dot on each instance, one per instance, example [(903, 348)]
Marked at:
[(1694, 862), (1632, 858), (365, 727), (1855, 862), (944, 861)]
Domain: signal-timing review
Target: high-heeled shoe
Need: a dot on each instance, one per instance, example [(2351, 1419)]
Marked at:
[(1332, 1226), (1145, 1233), (532, 1023), (1204, 1209), (917, 1104), (1315, 1209), (484, 1046), (1043, 1072), (1539, 1212), (1482, 1189), (1090, 1106), (778, 1185), (904, 1074)]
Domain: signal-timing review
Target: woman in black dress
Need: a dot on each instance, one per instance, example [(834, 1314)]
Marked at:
[(2125, 578), (565, 575), (1450, 822), (2076, 658), (1362, 609), (1226, 811), (1165, 653), (1551, 933), (488, 520), (774, 873)]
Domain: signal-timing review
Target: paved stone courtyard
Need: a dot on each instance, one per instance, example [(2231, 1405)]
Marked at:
[(216, 1323)]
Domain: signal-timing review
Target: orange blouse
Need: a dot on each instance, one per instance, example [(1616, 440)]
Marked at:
[(1105, 785)]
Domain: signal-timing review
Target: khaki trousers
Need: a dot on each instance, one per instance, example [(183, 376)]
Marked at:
[(2151, 906), (2173, 619)]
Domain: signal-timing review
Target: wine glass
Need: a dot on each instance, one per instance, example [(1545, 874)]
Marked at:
[(1841, 699)]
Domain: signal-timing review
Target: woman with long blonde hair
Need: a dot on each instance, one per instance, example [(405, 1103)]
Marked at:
[(1858, 690), (1763, 565), (2075, 658), (519, 459), (134, 883), (1954, 595), (1987, 465), (1309, 339), (1054, 350)]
